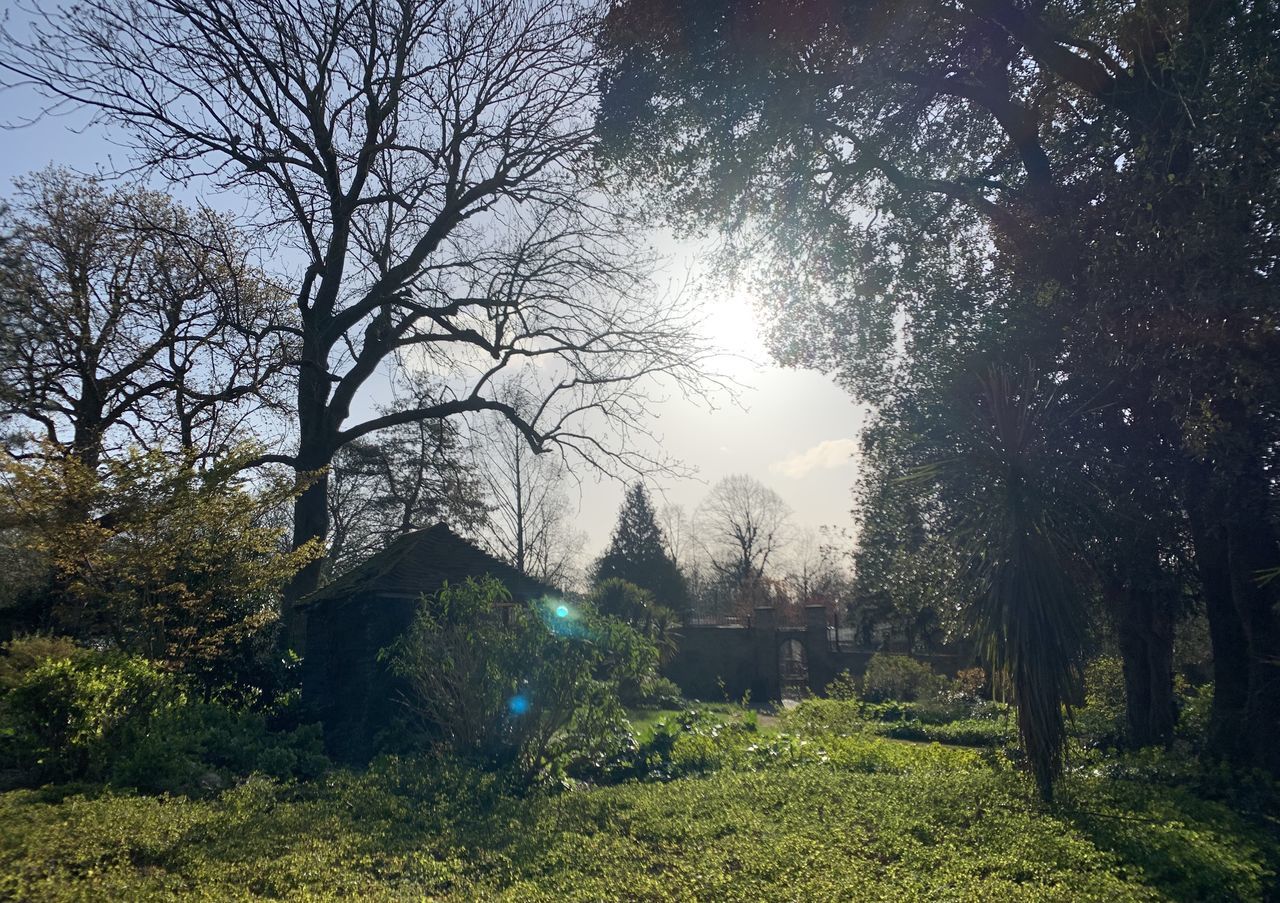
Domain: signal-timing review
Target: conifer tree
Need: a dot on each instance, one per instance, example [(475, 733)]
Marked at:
[(637, 553)]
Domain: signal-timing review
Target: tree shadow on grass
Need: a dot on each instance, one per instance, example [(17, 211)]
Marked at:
[(1186, 847)]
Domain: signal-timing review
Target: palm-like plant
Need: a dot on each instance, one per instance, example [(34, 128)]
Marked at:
[(1027, 610)]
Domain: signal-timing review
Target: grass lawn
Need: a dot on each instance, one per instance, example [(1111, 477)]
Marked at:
[(774, 816)]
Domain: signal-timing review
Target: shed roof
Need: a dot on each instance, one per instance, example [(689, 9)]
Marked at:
[(419, 563)]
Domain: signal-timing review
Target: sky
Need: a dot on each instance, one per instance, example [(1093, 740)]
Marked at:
[(794, 430)]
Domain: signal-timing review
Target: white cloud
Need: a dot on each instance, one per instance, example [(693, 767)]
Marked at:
[(827, 455)]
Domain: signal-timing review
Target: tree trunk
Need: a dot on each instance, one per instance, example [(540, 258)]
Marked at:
[(310, 521), (1226, 632), (1144, 631), (1253, 547), (317, 444)]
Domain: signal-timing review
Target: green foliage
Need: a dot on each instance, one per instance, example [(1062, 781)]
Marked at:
[(72, 718), (623, 600), (162, 557), (201, 747), (1101, 721), (1021, 503), (1060, 257), (906, 574), (659, 693), (1196, 712), (635, 606), (637, 554), (518, 693), (899, 677), (961, 732), (844, 686), (23, 654), (797, 817), (957, 722), (821, 810), (118, 719)]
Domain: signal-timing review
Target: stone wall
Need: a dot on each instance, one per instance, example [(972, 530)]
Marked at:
[(715, 662), (709, 655)]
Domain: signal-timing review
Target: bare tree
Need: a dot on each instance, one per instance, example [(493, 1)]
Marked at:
[(677, 531), (530, 523), (742, 524), (430, 163), (814, 570), (414, 475), (128, 319)]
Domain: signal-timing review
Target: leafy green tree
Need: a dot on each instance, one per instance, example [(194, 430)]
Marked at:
[(637, 553), (934, 187), (158, 557), (906, 570), (1028, 584), (636, 607), (1003, 543)]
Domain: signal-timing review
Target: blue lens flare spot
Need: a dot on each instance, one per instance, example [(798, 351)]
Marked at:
[(562, 611), (518, 705)]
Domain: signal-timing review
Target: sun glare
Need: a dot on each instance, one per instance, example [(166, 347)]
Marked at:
[(730, 322)]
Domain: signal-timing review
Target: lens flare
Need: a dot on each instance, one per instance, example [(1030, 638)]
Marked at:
[(518, 705), (562, 611)]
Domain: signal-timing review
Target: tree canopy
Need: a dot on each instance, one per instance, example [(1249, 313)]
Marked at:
[(428, 168), (637, 553), (1085, 192)]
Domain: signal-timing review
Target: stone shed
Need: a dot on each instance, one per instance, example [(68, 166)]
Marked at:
[(347, 622)]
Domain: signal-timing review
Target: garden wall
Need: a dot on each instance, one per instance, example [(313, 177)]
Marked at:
[(713, 662)]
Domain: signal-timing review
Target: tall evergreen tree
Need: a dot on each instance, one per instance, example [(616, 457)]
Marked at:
[(637, 553)]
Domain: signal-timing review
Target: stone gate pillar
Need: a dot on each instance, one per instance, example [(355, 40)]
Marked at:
[(817, 648), (767, 686)]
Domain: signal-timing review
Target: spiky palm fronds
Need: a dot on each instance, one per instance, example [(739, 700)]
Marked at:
[(1029, 621), (1027, 610)]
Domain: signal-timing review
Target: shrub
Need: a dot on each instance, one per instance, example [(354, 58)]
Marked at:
[(1101, 721), (961, 732), (199, 747), (119, 719), (180, 562), (660, 693), (539, 689), (1195, 709), (844, 686), (979, 724), (942, 709), (899, 677), (971, 682), (826, 716), (70, 718), (24, 654)]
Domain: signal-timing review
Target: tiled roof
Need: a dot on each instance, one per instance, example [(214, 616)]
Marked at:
[(419, 563)]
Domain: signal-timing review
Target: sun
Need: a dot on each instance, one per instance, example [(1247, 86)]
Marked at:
[(729, 321)]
